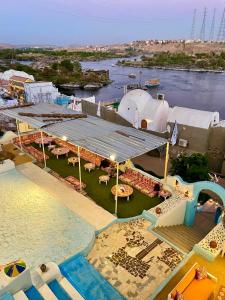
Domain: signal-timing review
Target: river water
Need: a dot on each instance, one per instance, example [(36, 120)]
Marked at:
[(205, 91)]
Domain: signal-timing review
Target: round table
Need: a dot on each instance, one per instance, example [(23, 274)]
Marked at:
[(73, 160), (89, 167), (60, 151), (46, 140), (124, 191), (103, 178)]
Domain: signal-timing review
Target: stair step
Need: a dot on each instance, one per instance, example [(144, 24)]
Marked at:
[(33, 294), (58, 290), (182, 236)]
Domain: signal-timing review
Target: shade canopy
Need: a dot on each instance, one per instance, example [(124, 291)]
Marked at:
[(101, 137)]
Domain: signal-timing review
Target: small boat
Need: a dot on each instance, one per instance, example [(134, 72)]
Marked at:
[(92, 87), (132, 75), (152, 83)]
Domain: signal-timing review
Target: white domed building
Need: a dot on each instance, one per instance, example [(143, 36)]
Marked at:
[(140, 109)]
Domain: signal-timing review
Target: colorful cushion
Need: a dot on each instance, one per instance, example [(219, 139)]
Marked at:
[(201, 273), (178, 296)]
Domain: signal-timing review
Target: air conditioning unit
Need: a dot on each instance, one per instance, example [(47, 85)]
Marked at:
[(183, 143), (160, 97)]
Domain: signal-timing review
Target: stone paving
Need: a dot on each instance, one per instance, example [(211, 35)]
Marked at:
[(132, 259)]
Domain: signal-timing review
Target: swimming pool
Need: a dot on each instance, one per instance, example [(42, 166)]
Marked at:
[(36, 227)]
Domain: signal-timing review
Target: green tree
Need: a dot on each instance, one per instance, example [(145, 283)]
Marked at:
[(191, 168)]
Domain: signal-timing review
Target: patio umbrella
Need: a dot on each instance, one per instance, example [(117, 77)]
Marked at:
[(15, 268)]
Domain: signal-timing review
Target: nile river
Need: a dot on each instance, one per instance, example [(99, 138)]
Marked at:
[(205, 91)]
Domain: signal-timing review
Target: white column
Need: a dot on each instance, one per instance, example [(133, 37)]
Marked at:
[(43, 149), (18, 133), (117, 182), (78, 152)]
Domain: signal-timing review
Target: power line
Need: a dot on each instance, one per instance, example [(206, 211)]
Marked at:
[(202, 32), (193, 25), (212, 30), (221, 32)]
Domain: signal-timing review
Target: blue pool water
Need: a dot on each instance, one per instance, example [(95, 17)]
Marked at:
[(87, 280), (6, 296), (59, 292), (33, 294)]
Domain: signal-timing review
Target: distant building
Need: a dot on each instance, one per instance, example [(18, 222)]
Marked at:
[(193, 128), (193, 117), (16, 87), (40, 92), (142, 111)]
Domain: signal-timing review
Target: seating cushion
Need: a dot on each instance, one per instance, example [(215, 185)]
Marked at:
[(185, 281), (199, 289)]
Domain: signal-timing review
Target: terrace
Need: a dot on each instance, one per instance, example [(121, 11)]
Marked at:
[(91, 140)]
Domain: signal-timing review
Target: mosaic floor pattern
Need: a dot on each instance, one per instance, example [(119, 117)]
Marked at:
[(132, 259)]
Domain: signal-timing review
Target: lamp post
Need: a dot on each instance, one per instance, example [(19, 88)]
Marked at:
[(43, 149), (78, 153), (18, 133), (117, 182)]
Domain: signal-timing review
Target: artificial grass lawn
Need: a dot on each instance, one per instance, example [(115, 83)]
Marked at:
[(101, 193)]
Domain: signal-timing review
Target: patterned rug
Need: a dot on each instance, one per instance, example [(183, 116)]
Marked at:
[(133, 259)]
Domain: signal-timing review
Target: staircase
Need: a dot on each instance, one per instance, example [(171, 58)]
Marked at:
[(181, 236)]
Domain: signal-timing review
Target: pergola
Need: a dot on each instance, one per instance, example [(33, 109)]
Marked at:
[(108, 140)]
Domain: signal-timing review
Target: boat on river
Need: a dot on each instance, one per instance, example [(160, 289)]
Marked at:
[(152, 83), (132, 75)]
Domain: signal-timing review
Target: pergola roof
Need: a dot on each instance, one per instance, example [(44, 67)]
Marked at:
[(94, 134)]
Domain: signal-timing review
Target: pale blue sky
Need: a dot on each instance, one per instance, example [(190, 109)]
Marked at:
[(66, 22)]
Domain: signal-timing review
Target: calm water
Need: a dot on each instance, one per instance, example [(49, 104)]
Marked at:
[(203, 91)]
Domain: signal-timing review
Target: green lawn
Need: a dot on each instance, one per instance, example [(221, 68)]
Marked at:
[(101, 193)]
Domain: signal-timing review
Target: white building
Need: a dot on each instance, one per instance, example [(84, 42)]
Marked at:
[(40, 92), (9, 73), (193, 117), (140, 109)]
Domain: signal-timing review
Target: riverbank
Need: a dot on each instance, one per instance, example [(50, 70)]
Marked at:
[(199, 62), (136, 65)]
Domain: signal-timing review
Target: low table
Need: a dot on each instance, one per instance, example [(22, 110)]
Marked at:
[(89, 167), (46, 140), (60, 151), (124, 191), (104, 178), (73, 160)]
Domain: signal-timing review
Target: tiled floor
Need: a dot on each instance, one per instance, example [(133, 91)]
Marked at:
[(132, 259)]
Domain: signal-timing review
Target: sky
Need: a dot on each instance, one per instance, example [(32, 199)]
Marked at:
[(83, 22)]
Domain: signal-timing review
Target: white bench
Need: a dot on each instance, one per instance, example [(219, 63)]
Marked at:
[(47, 293)]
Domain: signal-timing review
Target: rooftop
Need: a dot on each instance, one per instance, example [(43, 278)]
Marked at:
[(94, 134)]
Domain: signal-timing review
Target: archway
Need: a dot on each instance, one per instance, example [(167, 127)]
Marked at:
[(144, 124), (191, 207)]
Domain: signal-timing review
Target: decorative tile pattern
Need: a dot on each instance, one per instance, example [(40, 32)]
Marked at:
[(218, 235), (133, 259)]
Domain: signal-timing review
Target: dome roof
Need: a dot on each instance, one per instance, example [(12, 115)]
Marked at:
[(137, 97)]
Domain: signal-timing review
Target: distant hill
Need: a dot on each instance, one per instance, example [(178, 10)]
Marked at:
[(6, 46)]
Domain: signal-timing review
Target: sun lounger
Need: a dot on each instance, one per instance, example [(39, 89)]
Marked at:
[(46, 293), (71, 291), (20, 296)]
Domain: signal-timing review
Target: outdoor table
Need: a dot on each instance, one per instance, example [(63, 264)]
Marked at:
[(60, 151), (89, 167), (73, 160), (46, 140), (124, 191), (104, 178)]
